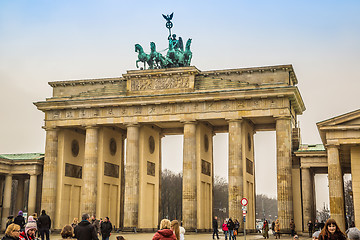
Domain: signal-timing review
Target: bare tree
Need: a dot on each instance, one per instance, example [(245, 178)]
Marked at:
[(266, 207), (220, 199), (324, 214), (349, 203), (171, 195)]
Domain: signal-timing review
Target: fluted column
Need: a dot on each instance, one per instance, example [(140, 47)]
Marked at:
[(89, 189), (19, 205), (307, 196), (32, 194), (131, 203), (336, 186), (189, 200), (284, 174), (6, 201), (235, 169), (48, 199)]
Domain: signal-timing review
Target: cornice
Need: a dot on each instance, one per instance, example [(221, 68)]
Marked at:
[(233, 94), (84, 82), (252, 70)]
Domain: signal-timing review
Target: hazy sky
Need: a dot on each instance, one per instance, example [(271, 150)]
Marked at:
[(42, 41)]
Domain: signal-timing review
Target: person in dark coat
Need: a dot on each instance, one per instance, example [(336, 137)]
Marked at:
[(44, 223), (231, 226), (292, 227), (12, 232), (9, 221), (215, 228), (85, 230), (20, 220), (96, 223), (310, 228), (105, 228)]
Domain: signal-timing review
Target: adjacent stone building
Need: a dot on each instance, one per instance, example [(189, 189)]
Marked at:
[(20, 184)]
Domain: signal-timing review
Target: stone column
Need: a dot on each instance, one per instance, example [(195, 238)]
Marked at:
[(19, 205), (6, 201), (131, 203), (89, 189), (355, 169), (307, 196), (336, 186), (48, 199), (235, 169), (284, 174), (32, 194), (189, 200)]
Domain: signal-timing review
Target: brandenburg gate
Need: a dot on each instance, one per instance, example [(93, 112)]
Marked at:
[(88, 169)]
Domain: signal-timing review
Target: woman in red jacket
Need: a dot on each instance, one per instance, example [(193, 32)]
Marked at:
[(225, 229), (165, 232)]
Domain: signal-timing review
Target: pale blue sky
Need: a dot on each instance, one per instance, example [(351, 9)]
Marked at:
[(42, 41)]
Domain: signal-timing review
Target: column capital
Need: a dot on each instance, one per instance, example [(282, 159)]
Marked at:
[(50, 128), (132, 124), (331, 144), (91, 126), (234, 119), (189, 122), (280, 117)]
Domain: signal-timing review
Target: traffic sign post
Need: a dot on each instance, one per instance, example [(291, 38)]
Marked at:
[(244, 202)]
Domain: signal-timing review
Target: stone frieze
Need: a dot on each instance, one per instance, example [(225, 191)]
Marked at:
[(167, 109)]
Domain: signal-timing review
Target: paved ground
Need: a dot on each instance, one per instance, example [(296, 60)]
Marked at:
[(190, 236)]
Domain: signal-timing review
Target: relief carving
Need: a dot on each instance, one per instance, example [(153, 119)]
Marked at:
[(69, 114), (151, 109), (56, 114), (159, 83)]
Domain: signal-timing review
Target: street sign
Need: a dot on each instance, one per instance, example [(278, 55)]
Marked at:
[(244, 213), (244, 201)]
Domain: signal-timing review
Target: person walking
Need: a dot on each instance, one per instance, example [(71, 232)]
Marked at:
[(20, 220), (85, 230), (165, 233), (30, 231), (230, 225), (292, 227), (182, 232), (310, 228), (273, 227), (277, 228), (105, 228), (265, 229), (96, 223), (75, 222), (215, 228), (331, 231), (12, 232), (317, 225), (225, 229), (67, 232), (175, 228), (236, 229), (44, 222), (9, 221)]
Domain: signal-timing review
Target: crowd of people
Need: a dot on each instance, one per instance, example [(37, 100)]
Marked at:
[(19, 228), (87, 229)]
